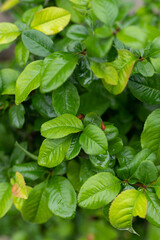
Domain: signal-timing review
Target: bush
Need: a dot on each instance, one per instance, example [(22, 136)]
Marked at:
[(80, 116)]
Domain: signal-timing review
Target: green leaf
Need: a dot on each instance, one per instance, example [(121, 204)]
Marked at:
[(98, 47), (5, 198), (21, 54), (126, 156), (43, 104), (124, 65), (8, 77), (28, 15), (154, 48), (16, 116), (93, 140), (37, 43), (57, 69), (133, 36), (146, 172), (77, 32), (115, 145), (35, 208), (8, 32), (145, 89), (128, 204), (17, 156), (74, 148), (50, 20), (29, 170), (106, 11), (62, 197), (100, 161), (107, 73), (53, 152), (153, 209), (92, 118), (110, 131), (61, 126), (66, 99), (73, 171), (150, 137), (28, 80), (156, 186), (98, 191), (145, 68)]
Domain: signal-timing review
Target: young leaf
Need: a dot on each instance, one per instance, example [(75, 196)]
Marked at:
[(21, 54), (29, 170), (61, 126), (66, 99), (19, 189), (61, 197), (145, 89), (93, 140), (8, 32), (37, 43), (8, 77), (50, 20), (35, 208), (98, 191), (53, 152), (128, 204), (150, 136), (153, 209), (57, 69), (16, 116), (18, 202), (74, 148), (106, 11), (124, 65), (28, 80), (5, 198)]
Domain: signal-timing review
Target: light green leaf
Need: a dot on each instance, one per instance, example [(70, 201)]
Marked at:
[(37, 43), (128, 204), (145, 89), (21, 54), (153, 209), (61, 197), (107, 73), (5, 198), (57, 69), (16, 116), (8, 77), (28, 80), (124, 65), (35, 208), (156, 186), (106, 11), (154, 48), (50, 20), (145, 68), (8, 32), (133, 36), (61, 126), (66, 99), (98, 190), (150, 137), (93, 140), (53, 152)]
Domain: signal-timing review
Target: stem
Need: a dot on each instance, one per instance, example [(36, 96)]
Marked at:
[(32, 156)]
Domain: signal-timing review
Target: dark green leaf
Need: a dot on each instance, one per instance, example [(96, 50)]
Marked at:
[(16, 116)]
